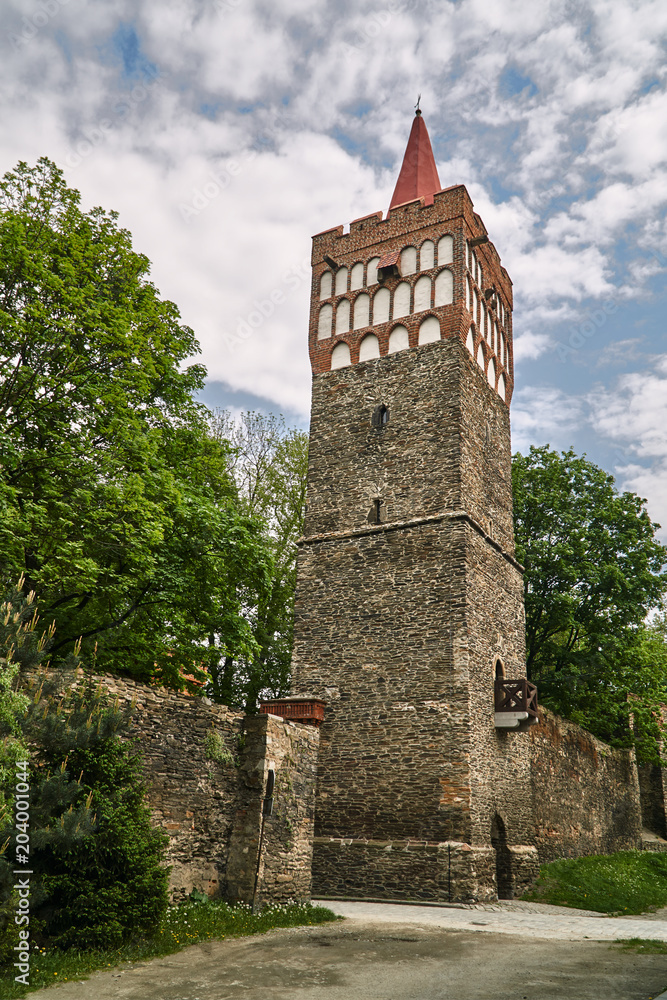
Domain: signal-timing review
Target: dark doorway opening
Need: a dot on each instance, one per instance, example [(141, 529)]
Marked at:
[(503, 858)]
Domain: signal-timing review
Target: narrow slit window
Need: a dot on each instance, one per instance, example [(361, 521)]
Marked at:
[(375, 513), (380, 416)]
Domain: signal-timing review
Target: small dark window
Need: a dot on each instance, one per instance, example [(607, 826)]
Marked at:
[(375, 513), (500, 670), (268, 795), (380, 416)]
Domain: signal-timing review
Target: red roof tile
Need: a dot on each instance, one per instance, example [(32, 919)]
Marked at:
[(419, 175)]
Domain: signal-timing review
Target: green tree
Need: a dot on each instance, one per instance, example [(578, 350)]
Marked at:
[(22, 646), (594, 571), (116, 504), (97, 872), (269, 463), (98, 865)]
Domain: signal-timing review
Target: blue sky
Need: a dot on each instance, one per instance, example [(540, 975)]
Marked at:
[(227, 132)]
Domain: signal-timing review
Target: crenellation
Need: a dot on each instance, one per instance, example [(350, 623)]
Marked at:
[(414, 305)]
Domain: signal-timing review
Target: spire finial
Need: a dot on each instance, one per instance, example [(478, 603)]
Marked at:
[(417, 108), (419, 175)]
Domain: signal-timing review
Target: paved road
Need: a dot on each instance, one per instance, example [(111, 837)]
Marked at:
[(402, 953), (534, 920)]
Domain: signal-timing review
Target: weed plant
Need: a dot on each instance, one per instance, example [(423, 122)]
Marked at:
[(642, 946), (621, 884), (190, 923)]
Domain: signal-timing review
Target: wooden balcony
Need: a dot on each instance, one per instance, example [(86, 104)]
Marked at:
[(307, 710), (514, 702)]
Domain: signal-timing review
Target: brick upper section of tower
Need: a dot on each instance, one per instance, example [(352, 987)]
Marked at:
[(425, 272)]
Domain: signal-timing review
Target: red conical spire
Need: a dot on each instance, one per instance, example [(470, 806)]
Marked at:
[(419, 175)]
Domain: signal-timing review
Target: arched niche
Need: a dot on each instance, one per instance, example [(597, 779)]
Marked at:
[(491, 373), (372, 271), (362, 311), (326, 285), (470, 341), (357, 277), (401, 300), (399, 339), (445, 250), (479, 357), (502, 391), (381, 303), (429, 331), (324, 322), (340, 356), (408, 260), (341, 280), (468, 304), (369, 348), (343, 316), (444, 288), (422, 294), (427, 255)]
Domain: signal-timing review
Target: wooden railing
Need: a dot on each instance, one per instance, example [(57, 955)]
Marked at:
[(308, 710), (514, 702)]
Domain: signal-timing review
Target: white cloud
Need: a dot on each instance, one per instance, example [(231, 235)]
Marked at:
[(543, 415), (635, 411), (651, 484), (323, 95), (528, 345), (634, 415)]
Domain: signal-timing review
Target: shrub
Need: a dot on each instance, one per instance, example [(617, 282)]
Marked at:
[(97, 860)]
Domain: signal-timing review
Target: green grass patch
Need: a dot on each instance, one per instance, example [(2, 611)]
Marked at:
[(189, 923), (644, 946), (623, 883)]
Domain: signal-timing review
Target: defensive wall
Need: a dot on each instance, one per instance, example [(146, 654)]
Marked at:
[(206, 770), (586, 798)]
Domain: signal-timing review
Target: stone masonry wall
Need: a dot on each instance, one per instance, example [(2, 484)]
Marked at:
[(495, 623), (449, 871), (586, 797), (375, 642), (211, 811), (282, 870), (397, 624)]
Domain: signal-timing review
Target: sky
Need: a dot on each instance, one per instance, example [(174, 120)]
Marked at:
[(226, 132)]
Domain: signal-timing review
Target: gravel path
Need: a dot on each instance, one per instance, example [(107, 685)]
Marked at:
[(533, 920)]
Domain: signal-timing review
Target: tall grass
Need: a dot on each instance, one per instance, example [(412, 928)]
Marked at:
[(623, 883)]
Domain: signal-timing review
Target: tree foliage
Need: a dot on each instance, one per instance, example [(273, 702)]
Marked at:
[(269, 463), (594, 571), (97, 872), (98, 863), (116, 503)]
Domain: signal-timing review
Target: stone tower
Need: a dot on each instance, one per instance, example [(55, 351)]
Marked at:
[(409, 598)]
